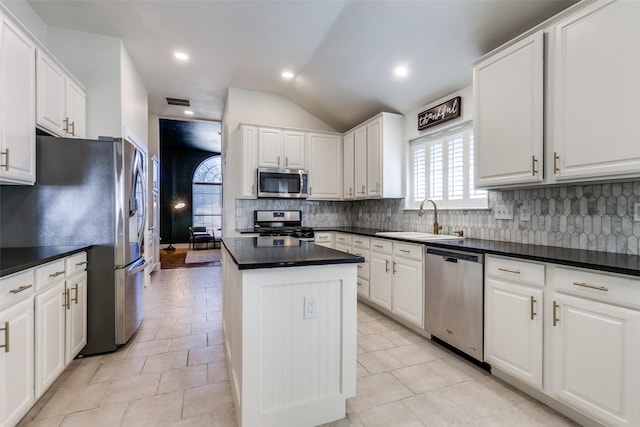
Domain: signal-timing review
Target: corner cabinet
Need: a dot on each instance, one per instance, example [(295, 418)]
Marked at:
[(508, 126), (325, 171), (595, 92), (61, 102), (17, 105)]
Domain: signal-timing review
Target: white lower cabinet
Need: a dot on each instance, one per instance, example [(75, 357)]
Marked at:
[(380, 273), (16, 362), (596, 354), (76, 323), (50, 315)]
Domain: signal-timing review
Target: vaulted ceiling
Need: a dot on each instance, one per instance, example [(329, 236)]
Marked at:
[(342, 52)]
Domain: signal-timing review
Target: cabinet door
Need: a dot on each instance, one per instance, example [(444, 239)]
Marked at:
[(76, 110), (595, 84), (360, 162), (249, 162), (513, 330), (51, 91), (374, 158), (16, 362), (325, 171), (408, 290), (380, 277), (595, 359), (294, 150), (76, 330), (50, 337), (348, 189), (508, 126), (270, 148), (17, 105)]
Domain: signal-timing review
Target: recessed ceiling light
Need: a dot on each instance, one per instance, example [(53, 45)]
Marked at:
[(181, 56), (287, 74), (188, 112), (401, 71)]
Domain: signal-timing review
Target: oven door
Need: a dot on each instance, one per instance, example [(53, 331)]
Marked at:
[(287, 183)]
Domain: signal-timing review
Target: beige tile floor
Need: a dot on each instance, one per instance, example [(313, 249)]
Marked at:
[(173, 373)]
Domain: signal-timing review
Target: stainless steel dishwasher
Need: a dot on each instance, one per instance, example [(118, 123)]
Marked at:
[(454, 306)]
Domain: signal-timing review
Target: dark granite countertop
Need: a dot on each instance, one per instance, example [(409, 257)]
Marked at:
[(603, 261), (13, 260), (272, 252)]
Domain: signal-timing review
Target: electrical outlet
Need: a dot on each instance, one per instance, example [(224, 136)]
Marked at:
[(389, 213), (503, 211), (310, 307), (525, 213), (636, 212)]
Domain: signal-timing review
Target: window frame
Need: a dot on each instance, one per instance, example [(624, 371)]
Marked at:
[(217, 183), (471, 198)]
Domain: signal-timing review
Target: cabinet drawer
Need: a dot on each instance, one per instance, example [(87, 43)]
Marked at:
[(16, 287), (48, 274), (323, 238), (361, 242), (343, 239), (76, 263), (620, 290), (406, 250), (363, 288), (365, 253), (363, 270), (380, 245), (513, 270)]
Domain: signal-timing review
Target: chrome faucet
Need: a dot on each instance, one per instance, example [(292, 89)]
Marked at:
[(436, 227)]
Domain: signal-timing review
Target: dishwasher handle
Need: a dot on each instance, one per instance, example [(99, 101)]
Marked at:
[(450, 256)]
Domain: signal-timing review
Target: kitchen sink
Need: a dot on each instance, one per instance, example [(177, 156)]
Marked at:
[(417, 236)]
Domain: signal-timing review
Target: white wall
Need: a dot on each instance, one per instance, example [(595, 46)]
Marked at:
[(135, 102), (246, 106)]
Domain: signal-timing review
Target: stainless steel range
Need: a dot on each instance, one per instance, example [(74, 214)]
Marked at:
[(281, 223)]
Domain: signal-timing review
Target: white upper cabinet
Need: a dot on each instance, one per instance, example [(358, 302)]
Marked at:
[(360, 162), (508, 118), (249, 156), (17, 105), (348, 188), (61, 103), (595, 64), (374, 158), (279, 148), (325, 167)]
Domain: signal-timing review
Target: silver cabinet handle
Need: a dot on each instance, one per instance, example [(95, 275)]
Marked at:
[(278, 160), (394, 267), (73, 128), (405, 251), (286, 161), (359, 284), (556, 169), (6, 337), (555, 313), (87, 262), (66, 303), (75, 288), (533, 313), (65, 121), (6, 159), (508, 270), (386, 265), (534, 162), (359, 266), (586, 285), (363, 190), (56, 274), (20, 289), (377, 246)]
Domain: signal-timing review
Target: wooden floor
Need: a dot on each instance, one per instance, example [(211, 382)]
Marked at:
[(175, 259)]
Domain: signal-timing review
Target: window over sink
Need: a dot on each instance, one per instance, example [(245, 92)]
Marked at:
[(441, 168)]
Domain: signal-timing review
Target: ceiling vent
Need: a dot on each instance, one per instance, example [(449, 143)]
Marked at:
[(178, 101)]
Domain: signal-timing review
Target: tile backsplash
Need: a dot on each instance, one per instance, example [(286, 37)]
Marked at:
[(592, 216)]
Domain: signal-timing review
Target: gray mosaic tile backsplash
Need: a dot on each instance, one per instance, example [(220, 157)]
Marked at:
[(592, 216)]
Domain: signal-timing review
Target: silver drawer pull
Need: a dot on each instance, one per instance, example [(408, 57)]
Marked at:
[(358, 241), (508, 270), (533, 313), (359, 284), (586, 285), (359, 267), (20, 289), (405, 251), (56, 274), (377, 246), (78, 264), (6, 337)]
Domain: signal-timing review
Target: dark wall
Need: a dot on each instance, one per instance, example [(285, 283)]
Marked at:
[(176, 173)]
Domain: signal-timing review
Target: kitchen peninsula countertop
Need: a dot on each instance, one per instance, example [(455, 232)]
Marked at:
[(13, 260), (595, 260), (282, 251)]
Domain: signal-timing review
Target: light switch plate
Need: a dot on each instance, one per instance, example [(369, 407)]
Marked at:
[(503, 211), (636, 212)]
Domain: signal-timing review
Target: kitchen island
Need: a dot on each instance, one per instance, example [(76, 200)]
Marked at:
[(289, 321)]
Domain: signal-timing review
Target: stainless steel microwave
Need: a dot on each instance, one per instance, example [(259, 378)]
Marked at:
[(288, 183)]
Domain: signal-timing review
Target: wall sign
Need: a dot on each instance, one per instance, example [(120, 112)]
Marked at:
[(440, 113)]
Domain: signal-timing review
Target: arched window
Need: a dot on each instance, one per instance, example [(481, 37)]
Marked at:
[(207, 194)]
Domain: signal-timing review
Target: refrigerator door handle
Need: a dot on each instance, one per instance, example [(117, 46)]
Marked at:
[(137, 266)]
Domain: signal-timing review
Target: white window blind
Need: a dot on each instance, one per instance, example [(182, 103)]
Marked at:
[(442, 169)]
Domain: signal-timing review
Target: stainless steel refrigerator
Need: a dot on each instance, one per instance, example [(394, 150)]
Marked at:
[(88, 192)]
